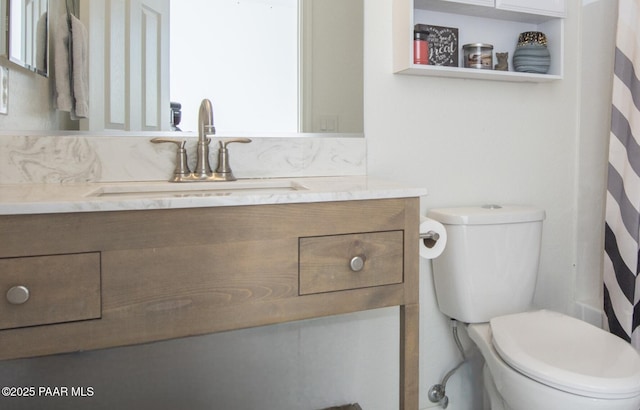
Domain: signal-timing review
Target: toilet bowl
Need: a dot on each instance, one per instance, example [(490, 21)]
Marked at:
[(534, 360), (553, 377)]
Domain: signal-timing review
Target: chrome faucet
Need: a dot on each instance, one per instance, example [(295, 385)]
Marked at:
[(202, 172), (205, 128)]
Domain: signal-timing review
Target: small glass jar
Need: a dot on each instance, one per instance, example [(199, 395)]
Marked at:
[(478, 55)]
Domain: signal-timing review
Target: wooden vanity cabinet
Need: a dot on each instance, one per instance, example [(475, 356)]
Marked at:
[(105, 279)]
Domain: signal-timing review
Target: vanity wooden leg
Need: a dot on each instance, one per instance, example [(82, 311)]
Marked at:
[(409, 357)]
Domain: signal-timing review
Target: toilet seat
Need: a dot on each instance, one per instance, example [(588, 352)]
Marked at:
[(567, 354)]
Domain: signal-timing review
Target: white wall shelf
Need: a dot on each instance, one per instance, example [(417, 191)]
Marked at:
[(477, 23)]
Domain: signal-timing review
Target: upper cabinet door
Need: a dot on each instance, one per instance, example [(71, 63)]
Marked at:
[(489, 3), (554, 8)]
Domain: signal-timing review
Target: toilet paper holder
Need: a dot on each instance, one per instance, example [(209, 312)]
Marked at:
[(430, 238), (434, 236)]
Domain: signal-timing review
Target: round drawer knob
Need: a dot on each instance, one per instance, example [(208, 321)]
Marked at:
[(356, 263), (17, 295)]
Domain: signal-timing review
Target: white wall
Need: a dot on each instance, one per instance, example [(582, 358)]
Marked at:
[(475, 142), (598, 33)]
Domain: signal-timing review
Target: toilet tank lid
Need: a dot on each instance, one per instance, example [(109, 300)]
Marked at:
[(487, 214)]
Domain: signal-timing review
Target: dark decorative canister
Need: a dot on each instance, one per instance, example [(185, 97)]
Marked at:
[(532, 55)]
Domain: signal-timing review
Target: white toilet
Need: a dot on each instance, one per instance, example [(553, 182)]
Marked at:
[(534, 360)]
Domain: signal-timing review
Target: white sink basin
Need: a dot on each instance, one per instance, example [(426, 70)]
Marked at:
[(200, 189)]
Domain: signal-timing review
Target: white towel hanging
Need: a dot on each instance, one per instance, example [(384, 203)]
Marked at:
[(71, 62)]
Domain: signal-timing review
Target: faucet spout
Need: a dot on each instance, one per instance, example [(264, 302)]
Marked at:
[(205, 128), (205, 120)]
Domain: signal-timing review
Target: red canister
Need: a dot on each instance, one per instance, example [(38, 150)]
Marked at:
[(420, 47)]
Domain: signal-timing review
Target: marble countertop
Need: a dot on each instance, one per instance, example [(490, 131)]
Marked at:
[(18, 199)]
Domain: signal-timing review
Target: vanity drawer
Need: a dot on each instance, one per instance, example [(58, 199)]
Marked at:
[(341, 262), (41, 290)]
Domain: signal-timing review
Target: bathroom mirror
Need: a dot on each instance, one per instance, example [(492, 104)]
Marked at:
[(28, 44), (320, 47), (3, 28)]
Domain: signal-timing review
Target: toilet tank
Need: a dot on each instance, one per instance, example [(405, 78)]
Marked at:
[(490, 264)]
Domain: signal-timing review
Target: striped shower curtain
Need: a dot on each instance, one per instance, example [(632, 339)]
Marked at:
[(622, 227)]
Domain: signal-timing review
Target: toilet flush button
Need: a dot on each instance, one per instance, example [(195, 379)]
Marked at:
[(492, 206)]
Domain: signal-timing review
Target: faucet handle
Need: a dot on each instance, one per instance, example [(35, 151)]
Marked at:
[(223, 172), (181, 172), (180, 143), (224, 143)]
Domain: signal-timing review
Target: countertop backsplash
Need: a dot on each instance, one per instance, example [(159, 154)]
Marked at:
[(78, 158)]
